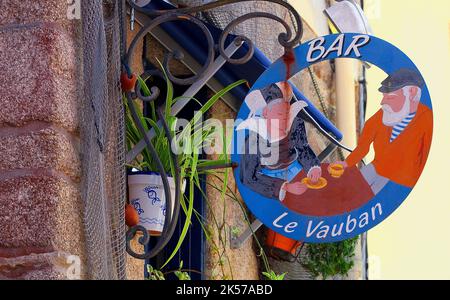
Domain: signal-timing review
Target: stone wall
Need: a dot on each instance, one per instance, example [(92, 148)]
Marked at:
[(41, 232), (225, 215)]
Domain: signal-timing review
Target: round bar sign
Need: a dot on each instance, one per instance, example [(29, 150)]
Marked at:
[(281, 178)]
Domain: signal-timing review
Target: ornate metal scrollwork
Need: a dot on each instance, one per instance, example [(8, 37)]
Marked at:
[(173, 16), (286, 39)]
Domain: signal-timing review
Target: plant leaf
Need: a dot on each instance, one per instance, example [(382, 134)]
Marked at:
[(186, 223)]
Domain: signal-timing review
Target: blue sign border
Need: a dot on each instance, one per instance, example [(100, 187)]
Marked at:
[(379, 53)]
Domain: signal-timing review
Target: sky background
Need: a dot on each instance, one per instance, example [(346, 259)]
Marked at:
[(414, 242)]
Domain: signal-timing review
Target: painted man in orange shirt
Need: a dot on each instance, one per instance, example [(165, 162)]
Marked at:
[(400, 132)]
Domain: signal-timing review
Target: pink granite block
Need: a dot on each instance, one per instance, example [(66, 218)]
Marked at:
[(27, 11), (45, 148), (29, 270), (41, 211), (18, 252), (40, 76), (42, 266)]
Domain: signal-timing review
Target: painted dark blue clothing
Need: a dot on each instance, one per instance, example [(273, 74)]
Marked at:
[(253, 160)]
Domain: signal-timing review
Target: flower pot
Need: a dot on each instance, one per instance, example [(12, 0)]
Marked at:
[(146, 194), (281, 247)]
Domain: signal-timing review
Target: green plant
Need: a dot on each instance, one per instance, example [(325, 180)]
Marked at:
[(182, 275), (154, 274), (221, 232), (190, 169), (235, 231), (271, 275), (191, 138), (328, 260)]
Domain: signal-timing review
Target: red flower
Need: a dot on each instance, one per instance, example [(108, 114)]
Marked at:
[(128, 83), (131, 216)]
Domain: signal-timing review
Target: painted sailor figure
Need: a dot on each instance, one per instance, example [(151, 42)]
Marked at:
[(276, 148), (401, 133)]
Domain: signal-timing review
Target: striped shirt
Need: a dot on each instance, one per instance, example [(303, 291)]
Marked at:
[(401, 126)]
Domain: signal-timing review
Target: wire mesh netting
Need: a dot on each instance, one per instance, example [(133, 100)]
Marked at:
[(102, 146)]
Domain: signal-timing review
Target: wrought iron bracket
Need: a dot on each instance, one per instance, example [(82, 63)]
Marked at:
[(288, 40)]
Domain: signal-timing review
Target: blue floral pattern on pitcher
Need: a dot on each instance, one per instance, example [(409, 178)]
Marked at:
[(137, 206), (152, 195)]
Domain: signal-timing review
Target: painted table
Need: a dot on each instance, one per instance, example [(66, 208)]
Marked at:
[(341, 195)]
